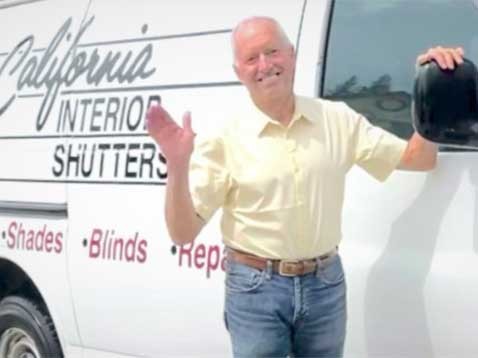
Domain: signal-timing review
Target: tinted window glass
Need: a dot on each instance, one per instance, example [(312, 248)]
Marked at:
[(373, 45)]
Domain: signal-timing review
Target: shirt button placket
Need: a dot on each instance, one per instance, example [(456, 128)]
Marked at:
[(292, 149), (291, 146)]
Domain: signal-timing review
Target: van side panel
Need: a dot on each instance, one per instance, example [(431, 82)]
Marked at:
[(33, 201), (409, 245)]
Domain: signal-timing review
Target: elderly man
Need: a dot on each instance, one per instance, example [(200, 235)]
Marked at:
[(279, 174)]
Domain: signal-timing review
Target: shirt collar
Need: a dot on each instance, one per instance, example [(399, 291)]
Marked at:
[(303, 111)]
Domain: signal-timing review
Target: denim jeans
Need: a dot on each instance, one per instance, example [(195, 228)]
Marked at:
[(269, 315)]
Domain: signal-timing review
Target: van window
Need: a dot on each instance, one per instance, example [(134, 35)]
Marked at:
[(372, 48)]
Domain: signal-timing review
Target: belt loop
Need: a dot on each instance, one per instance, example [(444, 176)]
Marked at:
[(318, 262), (269, 269)]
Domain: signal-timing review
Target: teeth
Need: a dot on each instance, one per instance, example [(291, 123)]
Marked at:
[(272, 74)]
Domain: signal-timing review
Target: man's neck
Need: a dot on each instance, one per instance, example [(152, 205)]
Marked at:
[(279, 109)]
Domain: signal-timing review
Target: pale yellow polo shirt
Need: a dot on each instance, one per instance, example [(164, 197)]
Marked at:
[(282, 189)]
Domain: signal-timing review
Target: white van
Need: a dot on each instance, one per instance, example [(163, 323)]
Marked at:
[(86, 265)]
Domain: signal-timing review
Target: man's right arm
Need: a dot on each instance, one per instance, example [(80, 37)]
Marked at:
[(183, 222), (177, 145)]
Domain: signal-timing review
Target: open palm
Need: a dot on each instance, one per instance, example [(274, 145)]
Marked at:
[(176, 143)]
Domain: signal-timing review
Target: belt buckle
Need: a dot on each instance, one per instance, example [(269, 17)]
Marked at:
[(283, 268)]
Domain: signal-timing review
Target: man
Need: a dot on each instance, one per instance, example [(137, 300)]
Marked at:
[(279, 173)]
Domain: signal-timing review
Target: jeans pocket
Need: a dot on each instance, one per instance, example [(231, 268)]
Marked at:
[(331, 273), (224, 317), (241, 278)]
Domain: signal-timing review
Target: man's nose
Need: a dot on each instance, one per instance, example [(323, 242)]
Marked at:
[(264, 62)]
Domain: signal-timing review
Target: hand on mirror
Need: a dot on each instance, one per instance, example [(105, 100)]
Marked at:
[(446, 58)]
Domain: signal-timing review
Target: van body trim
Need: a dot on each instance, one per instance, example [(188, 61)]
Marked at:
[(154, 88), (75, 136), (142, 39), (142, 88), (28, 208), (86, 181), (301, 23), (323, 69), (157, 38), (17, 3)]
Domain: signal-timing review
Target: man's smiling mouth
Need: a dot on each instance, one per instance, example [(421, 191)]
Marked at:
[(269, 76)]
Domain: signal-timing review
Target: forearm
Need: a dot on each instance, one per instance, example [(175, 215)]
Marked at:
[(181, 218), (420, 154)]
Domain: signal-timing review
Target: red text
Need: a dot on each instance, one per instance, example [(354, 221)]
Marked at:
[(208, 258), (29, 239), (106, 245)]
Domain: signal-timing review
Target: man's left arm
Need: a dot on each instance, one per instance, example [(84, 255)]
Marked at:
[(420, 153)]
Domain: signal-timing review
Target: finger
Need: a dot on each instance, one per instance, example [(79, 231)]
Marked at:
[(157, 111), (421, 59), (157, 117), (458, 55), (438, 57), (152, 115), (153, 121), (153, 111), (163, 113), (432, 54), (187, 122), (436, 54), (449, 59)]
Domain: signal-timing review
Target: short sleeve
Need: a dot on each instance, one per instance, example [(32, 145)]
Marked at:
[(208, 178), (377, 151)]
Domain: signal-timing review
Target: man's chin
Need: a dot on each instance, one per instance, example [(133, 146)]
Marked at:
[(270, 88), (269, 94)]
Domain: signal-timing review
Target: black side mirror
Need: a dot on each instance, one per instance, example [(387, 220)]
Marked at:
[(446, 104)]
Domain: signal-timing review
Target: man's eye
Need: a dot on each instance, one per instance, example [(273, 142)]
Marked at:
[(252, 59)]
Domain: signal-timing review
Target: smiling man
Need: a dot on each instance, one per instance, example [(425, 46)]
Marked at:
[(264, 61), (278, 173)]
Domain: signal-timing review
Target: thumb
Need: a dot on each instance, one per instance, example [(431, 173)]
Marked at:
[(187, 122), (422, 59)]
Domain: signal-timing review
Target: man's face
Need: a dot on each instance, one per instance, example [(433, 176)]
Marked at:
[(264, 61)]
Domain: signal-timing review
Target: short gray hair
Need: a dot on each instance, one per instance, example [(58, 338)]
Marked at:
[(253, 19)]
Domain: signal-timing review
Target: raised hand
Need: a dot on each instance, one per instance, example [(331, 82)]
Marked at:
[(176, 143)]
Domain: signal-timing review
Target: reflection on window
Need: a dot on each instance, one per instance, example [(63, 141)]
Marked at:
[(378, 102), (372, 49)]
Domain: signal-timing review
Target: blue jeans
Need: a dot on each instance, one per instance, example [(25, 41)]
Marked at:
[(269, 315)]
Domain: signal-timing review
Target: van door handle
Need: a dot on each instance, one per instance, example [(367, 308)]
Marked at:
[(34, 209)]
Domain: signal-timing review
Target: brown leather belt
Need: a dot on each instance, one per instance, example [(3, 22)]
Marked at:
[(282, 267)]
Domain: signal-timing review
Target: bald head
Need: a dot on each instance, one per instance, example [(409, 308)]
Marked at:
[(248, 26)]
